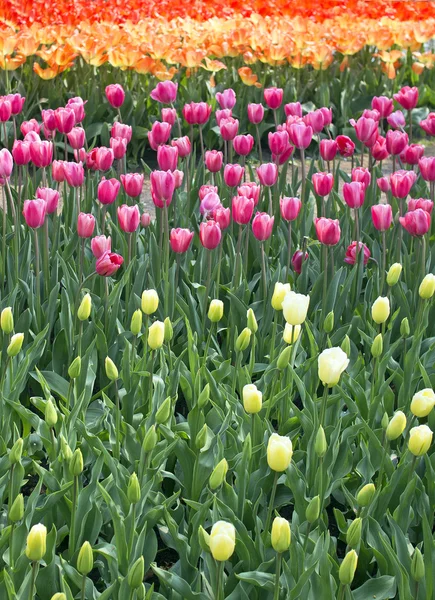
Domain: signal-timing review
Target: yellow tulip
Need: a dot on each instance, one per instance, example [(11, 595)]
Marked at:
[(279, 292), (279, 452), (420, 439), (291, 333), (295, 308), (396, 426), (252, 399), (149, 302), (222, 540), (331, 364), (380, 310), (156, 335), (36, 542), (281, 535), (423, 402)]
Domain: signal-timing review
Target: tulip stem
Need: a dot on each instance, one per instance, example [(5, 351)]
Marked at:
[(83, 593), (150, 386), (238, 258), (260, 153), (411, 469), (410, 125), (218, 278), (252, 357), (384, 263), (385, 445), (32, 590), (166, 227), (271, 503), (11, 547), (219, 595), (289, 249), (73, 516), (117, 424), (325, 279), (207, 345), (4, 238), (207, 289), (263, 271), (423, 257), (38, 282), (277, 576), (324, 403), (236, 369), (341, 592), (272, 344), (303, 184)]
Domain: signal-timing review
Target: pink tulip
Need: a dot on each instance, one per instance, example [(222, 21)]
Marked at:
[(282, 158), (5, 109), (161, 132), (91, 160), (65, 119), (362, 175), (255, 113), (229, 128), (167, 157), (108, 190), (328, 149), (21, 152), (165, 92), (323, 183), (383, 184), (401, 183), (214, 160), (290, 208), (119, 147), (379, 149), (74, 173), (396, 141), (169, 115), (300, 135), (382, 216), (226, 99), (32, 136), (48, 119), (416, 222), (34, 212), (76, 138), (78, 106), (50, 197), (412, 154), (178, 178), (327, 115), (233, 174), (197, 113), (16, 102), (250, 189), (100, 245), (407, 97), (85, 225), (221, 115), (180, 240), (396, 120), (183, 145), (31, 125), (365, 129), (267, 174), (383, 105), (209, 203), (315, 120), (423, 203), (162, 187), (297, 261), (351, 253), (145, 220), (115, 95), (6, 164), (128, 218), (273, 97), (120, 130), (41, 153), (371, 114), (58, 171), (427, 167), (108, 264), (293, 109), (327, 231), (354, 194), (242, 209), (222, 216), (80, 156), (210, 234), (278, 142), (206, 189), (262, 226), (243, 144), (428, 124), (346, 147), (104, 158)]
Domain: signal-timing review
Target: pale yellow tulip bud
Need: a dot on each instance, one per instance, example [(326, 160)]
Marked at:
[(396, 426), (380, 310), (222, 540), (156, 335), (423, 402), (279, 292), (36, 544), (279, 452), (291, 333), (331, 364), (84, 310), (295, 308), (420, 439), (149, 302), (216, 311), (252, 399), (280, 535)]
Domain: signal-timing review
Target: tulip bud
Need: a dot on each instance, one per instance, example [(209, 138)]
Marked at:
[(15, 344), (313, 510), (150, 440), (385, 420), (279, 292), (59, 596), (204, 396), (164, 411), (222, 540), (76, 464), (427, 287), (218, 474), (7, 320), (328, 324), (16, 452), (169, 330), (422, 403), (111, 370), (133, 489), (345, 345), (252, 321), (201, 437), (252, 399), (136, 573), (150, 302), (404, 328), (365, 495), (75, 368), (420, 439), (377, 346), (280, 535), (332, 362), (291, 333), (136, 322), (84, 310), (347, 568), (16, 512), (216, 311), (242, 341), (353, 535), (279, 452), (396, 426), (204, 539), (141, 592), (85, 559), (50, 414), (418, 570), (156, 335), (65, 450), (320, 445), (36, 544), (393, 274), (381, 310), (284, 358)]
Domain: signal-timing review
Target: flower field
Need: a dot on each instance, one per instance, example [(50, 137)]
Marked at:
[(229, 395)]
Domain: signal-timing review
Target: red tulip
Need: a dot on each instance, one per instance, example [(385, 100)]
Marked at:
[(351, 254), (427, 167), (401, 183), (167, 157), (396, 141), (328, 149), (101, 244), (293, 109), (50, 197), (34, 212), (233, 174), (327, 231), (74, 173), (243, 144), (282, 158), (290, 208), (267, 174), (262, 226), (354, 194), (180, 240), (21, 152), (108, 264), (6, 164), (346, 147), (132, 184), (160, 132), (382, 216), (383, 105), (362, 175), (85, 225), (412, 154), (128, 218), (222, 216), (250, 189), (407, 97), (178, 178), (423, 203), (278, 142), (379, 149), (165, 92), (428, 124), (119, 147), (297, 261), (65, 119), (108, 190), (197, 113), (416, 222), (323, 183), (169, 115), (76, 138), (255, 113), (120, 130), (396, 120), (115, 95), (383, 184), (300, 135), (210, 234), (183, 145), (242, 209), (162, 187), (273, 97)]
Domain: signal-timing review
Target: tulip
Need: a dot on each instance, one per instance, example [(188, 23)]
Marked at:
[(233, 174), (120, 130), (78, 106), (100, 244), (250, 190), (255, 113), (315, 120), (76, 138), (136, 574), (20, 153), (379, 149), (165, 92), (423, 402), (84, 310), (132, 184), (196, 113), (74, 173), (104, 158), (416, 222), (382, 216), (64, 119), (242, 209), (267, 174), (41, 153), (218, 474), (222, 216), (58, 170), (156, 335), (407, 97), (347, 569), (290, 208), (17, 102), (169, 115), (180, 240), (365, 495), (295, 308), (377, 346), (346, 147), (365, 130), (252, 399), (222, 541), (108, 190), (427, 167), (118, 147), (383, 105), (323, 183), (291, 333), (242, 342), (34, 212), (50, 197), (160, 132), (297, 260), (115, 95), (418, 569), (207, 189), (362, 175), (351, 253), (167, 157), (280, 535), (396, 119), (397, 141), (279, 452), (85, 225), (6, 163), (5, 109), (262, 226), (243, 144), (420, 439), (279, 293), (7, 320), (427, 287), (332, 362), (15, 345), (412, 154), (227, 98), (108, 264), (223, 114), (36, 543), (293, 109), (229, 128), (371, 114), (215, 311), (396, 426), (32, 125), (383, 184), (162, 187), (354, 194), (209, 203), (423, 203), (183, 145), (214, 160), (300, 135), (380, 310), (327, 230), (273, 97), (145, 220), (128, 218), (328, 149), (278, 142), (85, 559), (428, 124), (393, 274)]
